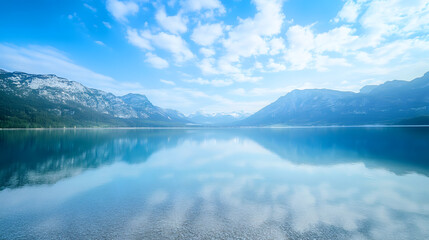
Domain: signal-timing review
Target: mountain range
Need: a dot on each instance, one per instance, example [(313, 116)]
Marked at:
[(76, 153), (393, 102), (37, 100), (217, 118)]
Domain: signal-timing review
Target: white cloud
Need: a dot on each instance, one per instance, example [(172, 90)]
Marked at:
[(90, 7), (258, 65), (305, 49), (240, 77), (107, 25), (385, 54), (276, 46), (207, 52), (300, 37), (301, 41), (323, 62), (298, 59), (388, 31), (225, 66), (244, 45), (155, 61), (100, 43), (335, 40), (167, 82), (121, 9), (248, 38), (198, 5), (350, 11), (207, 34), (251, 37), (238, 91), (169, 42), (206, 66), (386, 18), (275, 67), (174, 44), (174, 24), (269, 19), (47, 60), (138, 40), (215, 82)]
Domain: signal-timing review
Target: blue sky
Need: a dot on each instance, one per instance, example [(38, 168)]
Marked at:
[(217, 56)]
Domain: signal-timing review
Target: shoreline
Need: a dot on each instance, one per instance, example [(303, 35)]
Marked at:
[(216, 127)]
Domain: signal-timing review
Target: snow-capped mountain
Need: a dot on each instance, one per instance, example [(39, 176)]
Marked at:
[(216, 118), (56, 97)]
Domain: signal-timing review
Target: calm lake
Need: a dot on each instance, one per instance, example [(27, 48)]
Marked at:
[(295, 183)]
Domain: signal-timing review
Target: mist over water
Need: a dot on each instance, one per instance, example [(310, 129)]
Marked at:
[(303, 183)]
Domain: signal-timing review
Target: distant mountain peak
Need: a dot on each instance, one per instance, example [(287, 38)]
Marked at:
[(136, 99), (136, 96), (220, 118), (367, 88), (423, 80)]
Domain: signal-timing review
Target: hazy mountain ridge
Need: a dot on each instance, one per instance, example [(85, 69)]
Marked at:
[(57, 101), (387, 103), (217, 118), (37, 100)]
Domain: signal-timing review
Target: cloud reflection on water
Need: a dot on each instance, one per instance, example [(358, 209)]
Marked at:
[(221, 185)]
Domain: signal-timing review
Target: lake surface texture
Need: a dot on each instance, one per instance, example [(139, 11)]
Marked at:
[(303, 183)]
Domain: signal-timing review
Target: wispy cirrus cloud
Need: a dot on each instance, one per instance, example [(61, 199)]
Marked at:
[(48, 60), (90, 7), (214, 82), (167, 82), (100, 43)]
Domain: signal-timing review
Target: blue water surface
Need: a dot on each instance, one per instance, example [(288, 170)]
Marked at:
[(261, 183)]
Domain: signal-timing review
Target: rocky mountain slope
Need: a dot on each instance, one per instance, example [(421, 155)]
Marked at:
[(388, 103), (35, 100)]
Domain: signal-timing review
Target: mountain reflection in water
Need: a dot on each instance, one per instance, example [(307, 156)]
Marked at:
[(323, 183)]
